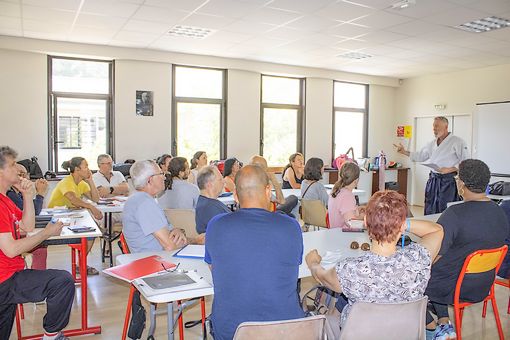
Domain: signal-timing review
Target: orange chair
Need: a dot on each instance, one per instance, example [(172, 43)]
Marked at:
[(123, 244), (504, 283), (480, 261), (125, 250)]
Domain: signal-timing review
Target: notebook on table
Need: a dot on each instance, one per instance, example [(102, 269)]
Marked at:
[(194, 251), (140, 268)]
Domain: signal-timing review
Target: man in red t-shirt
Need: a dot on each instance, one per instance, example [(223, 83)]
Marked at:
[(19, 285)]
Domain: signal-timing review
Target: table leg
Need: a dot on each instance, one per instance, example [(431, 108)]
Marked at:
[(83, 274), (170, 319), (110, 235), (152, 327)]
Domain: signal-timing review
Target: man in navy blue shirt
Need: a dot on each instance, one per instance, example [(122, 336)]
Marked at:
[(254, 257), (210, 183), (504, 271)]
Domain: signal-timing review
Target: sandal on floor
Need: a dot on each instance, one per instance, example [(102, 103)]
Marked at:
[(90, 271)]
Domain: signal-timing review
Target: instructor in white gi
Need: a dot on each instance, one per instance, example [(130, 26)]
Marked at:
[(446, 151)]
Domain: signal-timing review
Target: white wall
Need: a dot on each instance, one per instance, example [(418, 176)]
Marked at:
[(460, 91), (24, 94), (319, 118), (243, 114), (23, 109), (381, 121), (140, 137)]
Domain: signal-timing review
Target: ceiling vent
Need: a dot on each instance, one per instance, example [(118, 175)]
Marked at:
[(354, 55), (484, 25), (190, 32)]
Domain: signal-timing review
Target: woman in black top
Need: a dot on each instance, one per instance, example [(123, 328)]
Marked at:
[(477, 223), (293, 174)]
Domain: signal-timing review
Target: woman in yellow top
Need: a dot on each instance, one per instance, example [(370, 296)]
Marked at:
[(71, 189)]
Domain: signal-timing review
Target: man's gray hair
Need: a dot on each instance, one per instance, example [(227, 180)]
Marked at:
[(103, 156), (141, 171), (205, 175), (442, 118), (6, 151)]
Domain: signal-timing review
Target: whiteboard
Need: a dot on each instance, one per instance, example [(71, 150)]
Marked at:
[(491, 136)]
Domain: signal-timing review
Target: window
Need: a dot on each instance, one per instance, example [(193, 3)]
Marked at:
[(281, 118), (69, 132), (80, 110), (350, 118), (199, 112)]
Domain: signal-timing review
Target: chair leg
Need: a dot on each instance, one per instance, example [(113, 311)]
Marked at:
[(508, 308), (181, 321), (202, 307), (21, 311), (18, 323), (484, 310), (458, 321), (496, 316), (128, 312)]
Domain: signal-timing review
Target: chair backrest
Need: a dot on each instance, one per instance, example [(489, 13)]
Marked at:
[(481, 261), (311, 328), (314, 213), (184, 219), (385, 321), (123, 244)]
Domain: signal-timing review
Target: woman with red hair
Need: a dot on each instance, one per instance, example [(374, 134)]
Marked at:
[(386, 273)]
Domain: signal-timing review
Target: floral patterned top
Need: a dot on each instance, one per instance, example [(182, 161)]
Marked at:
[(374, 278)]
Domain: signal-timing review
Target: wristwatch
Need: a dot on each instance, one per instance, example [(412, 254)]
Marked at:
[(111, 190)]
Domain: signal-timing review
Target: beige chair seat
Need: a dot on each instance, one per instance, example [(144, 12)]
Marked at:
[(386, 321), (311, 328)]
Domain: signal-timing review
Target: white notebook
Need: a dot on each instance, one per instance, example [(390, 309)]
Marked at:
[(192, 251)]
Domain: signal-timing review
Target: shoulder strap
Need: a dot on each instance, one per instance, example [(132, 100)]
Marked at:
[(308, 188)]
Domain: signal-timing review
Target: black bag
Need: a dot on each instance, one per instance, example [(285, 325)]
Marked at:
[(499, 188), (138, 318), (123, 168), (33, 168)]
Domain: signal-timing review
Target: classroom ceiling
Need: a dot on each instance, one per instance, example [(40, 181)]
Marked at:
[(417, 40)]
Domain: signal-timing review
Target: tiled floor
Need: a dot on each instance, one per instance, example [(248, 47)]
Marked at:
[(107, 303)]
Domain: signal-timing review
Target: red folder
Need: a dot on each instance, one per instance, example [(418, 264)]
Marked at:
[(140, 268)]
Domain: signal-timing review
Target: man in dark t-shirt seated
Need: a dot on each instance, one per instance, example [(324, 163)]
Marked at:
[(504, 271), (477, 223), (254, 256), (210, 183)]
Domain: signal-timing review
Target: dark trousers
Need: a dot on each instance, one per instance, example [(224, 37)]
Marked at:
[(440, 310), (289, 205), (56, 286), (440, 189)]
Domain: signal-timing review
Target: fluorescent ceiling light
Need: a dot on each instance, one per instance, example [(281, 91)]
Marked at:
[(484, 25), (354, 55), (190, 32), (403, 4)]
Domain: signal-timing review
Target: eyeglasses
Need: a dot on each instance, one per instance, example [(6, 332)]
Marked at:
[(158, 174), (109, 163), (170, 270)]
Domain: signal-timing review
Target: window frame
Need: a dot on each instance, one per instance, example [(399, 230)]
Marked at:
[(365, 112), (194, 100), (52, 107), (301, 113)]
